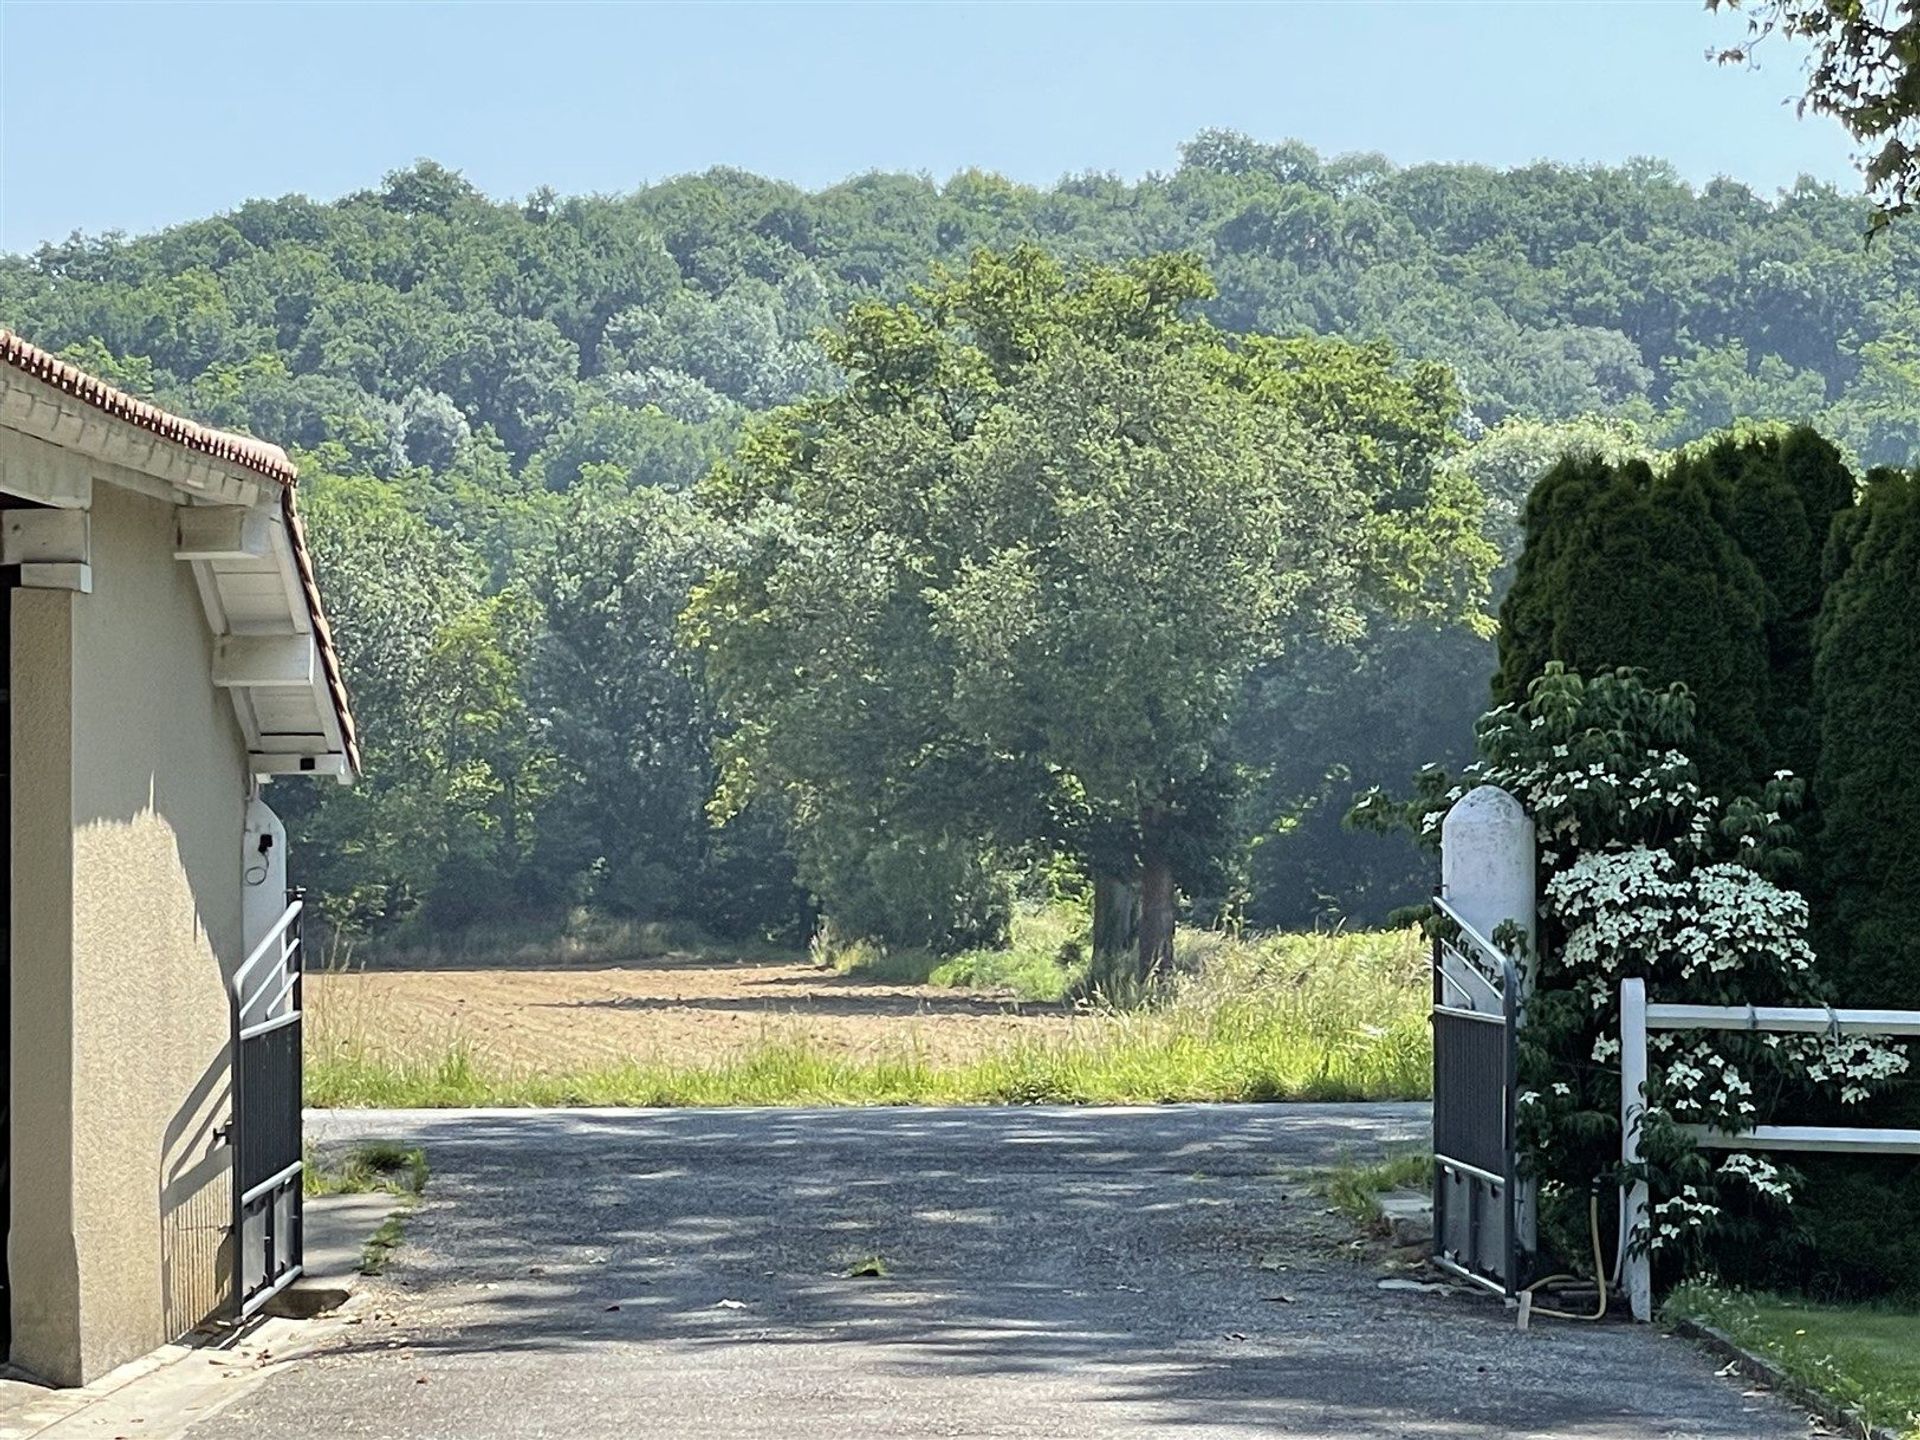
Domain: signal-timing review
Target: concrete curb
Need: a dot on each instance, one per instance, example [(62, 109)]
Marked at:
[(163, 1394), (1758, 1367), (337, 1228), (166, 1392)]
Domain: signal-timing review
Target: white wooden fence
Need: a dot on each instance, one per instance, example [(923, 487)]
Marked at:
[(1637, 1017)]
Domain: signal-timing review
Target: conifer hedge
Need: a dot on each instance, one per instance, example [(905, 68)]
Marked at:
[(1708, 572), (1784, 488), (1623, 567), (1746, 570), (1867, 676)]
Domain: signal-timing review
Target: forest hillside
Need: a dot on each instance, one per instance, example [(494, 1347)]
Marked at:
[(501, 409)]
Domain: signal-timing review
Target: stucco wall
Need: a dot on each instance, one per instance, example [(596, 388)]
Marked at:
[(41, 1263), (157, 799)]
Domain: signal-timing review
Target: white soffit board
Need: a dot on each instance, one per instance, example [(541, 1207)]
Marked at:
[(264, 655)]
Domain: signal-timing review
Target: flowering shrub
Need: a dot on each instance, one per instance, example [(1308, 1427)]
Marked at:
[(1645, 875)]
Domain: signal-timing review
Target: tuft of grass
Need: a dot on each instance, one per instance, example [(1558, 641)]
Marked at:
[(1355, 1190), (1865, 1358), (369, 1166), (382, 1243), (373, 1166), (1045, 960), (1281, 1017)]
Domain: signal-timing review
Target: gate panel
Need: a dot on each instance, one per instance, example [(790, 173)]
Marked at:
[(1470, 1070), (268, 1167), (1475, 1161)]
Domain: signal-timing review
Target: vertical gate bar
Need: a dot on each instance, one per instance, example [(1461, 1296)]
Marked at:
[(1637, 1265), (1440, 1188), (236, 1086), (1510, 1045), (297, 1252), (1475, 1261)]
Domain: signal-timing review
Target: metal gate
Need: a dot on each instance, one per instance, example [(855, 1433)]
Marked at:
[(267, 1156), (1476, 1189)]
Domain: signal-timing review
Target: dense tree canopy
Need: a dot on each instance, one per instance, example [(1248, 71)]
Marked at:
[(1704, 572), (1010, 578), (496, 402)]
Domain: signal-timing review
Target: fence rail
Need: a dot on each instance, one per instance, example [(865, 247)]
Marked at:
[(1782, 1019), (1637, 1017)]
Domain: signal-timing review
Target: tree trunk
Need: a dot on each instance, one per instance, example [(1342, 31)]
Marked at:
[(1116, 930), (1156, 917)]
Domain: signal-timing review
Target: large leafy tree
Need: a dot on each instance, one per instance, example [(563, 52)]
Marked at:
[(486, 359), (1009, 582), (625, 824), (1335, 714), (1862, 71), (441, 822)]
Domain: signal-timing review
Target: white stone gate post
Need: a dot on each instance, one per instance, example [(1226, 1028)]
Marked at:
[(1488, 874)]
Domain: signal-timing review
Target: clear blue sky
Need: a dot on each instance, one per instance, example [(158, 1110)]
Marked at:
[(132, 116)]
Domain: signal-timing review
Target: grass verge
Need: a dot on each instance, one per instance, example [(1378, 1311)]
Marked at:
[(382, 1243), (1283, 1017), (373, 1166), (1355, 1189), (1864, 1358)]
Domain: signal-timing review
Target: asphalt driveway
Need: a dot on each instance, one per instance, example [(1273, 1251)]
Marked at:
[(1059, 1273)]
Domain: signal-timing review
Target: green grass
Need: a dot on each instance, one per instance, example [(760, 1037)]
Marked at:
[(1866, 1358), (382, 1243), (371, 1166), (1044, 961), (1282, 1017), (1355, 1190)]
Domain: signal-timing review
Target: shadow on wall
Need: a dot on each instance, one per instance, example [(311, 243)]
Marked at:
[(155, 1068), (196, 1203)]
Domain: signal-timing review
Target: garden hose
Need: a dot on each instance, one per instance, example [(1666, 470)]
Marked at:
[(1528, 1309)]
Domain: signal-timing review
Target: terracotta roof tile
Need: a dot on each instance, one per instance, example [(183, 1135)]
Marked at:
[(241, 450)]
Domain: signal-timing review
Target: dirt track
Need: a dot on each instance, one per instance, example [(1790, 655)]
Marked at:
[(670, 1008)]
